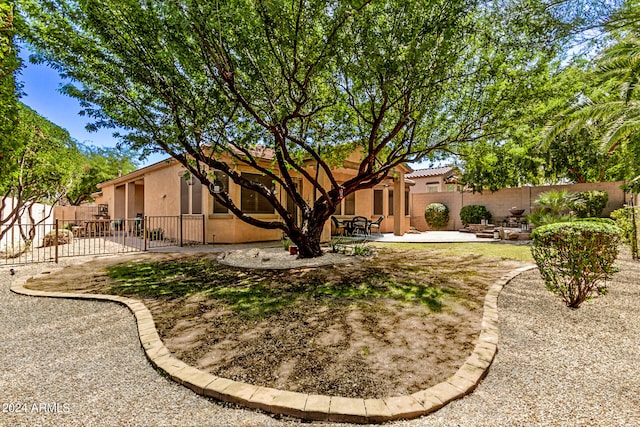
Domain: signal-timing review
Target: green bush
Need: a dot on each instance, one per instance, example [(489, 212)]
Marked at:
[(624, 219), (589, 204), (607, 221), (436, 215), (474, 214), (551, 207), (286, 242), (576, 258)]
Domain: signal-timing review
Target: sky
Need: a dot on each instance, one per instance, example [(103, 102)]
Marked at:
[(41, 88)]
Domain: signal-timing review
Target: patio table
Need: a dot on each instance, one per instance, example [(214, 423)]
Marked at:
[(358, 224)]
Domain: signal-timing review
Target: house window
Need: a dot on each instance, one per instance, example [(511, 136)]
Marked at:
[(253, 202), (390, 202), (377, 202), (190, 196), (451, 188), (350, 204), (433, 187), (338, 210), (406, 202), (222, 181)]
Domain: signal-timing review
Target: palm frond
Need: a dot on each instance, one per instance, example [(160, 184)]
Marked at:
[(618, 132)]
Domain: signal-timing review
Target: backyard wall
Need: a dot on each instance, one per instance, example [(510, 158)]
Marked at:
[(12, 238), (74, 213), (499, 202)]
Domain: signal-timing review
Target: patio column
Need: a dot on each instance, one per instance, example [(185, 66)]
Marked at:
[(398, 204), (131, 200), (324, 181)]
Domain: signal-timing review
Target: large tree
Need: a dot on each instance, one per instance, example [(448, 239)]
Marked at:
[(525, 152), (613, 105), (310, 81), (41, 167), (581, 123), (98, 164), (37, 158), (9, 66)]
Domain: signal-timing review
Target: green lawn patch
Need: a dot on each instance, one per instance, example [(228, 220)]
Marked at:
[(488, 250), (258, 293)]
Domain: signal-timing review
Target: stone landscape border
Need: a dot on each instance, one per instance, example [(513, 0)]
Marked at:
[(311, 406)]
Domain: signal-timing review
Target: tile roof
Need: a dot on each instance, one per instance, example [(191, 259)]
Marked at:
[(424, 173)]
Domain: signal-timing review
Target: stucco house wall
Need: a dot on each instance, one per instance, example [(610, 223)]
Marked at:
[(156, 191)]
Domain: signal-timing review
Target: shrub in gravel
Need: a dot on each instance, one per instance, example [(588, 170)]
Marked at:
[(436, 215), (474, 214), (608, 221), (627, 219), (590, 203), (576, 258)]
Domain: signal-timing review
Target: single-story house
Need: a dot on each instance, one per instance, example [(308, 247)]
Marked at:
[(161, 190)]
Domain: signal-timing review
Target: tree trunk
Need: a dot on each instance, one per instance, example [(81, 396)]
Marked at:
[(307, 239)]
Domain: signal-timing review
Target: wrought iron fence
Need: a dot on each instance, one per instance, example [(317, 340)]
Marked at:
[(22, 244)]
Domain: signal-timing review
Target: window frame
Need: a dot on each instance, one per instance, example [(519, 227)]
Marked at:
[(251, 196)]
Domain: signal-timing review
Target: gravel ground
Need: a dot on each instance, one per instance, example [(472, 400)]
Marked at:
[(80, 363)]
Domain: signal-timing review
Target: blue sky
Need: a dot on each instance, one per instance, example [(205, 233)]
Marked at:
[(41, 88)]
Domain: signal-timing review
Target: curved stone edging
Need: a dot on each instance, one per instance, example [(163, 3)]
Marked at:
[(311, 406)]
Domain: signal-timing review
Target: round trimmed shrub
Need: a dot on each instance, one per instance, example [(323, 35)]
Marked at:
[(576, 258), (474, 214), (607, 221), (436, 215)]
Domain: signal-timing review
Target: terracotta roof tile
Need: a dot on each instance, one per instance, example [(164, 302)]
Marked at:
[(423, 173)]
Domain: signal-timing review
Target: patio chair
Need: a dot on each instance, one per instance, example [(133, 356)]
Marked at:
[(375, 225), (339, 226), (360, 225)]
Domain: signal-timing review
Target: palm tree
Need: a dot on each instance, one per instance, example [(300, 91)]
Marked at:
[(552, 206), (615, 106)]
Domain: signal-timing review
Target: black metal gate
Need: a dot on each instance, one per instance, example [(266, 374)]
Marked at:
[(68, 238)]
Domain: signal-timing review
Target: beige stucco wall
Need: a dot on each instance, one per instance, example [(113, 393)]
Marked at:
[(155, 191), (162, 190), (421, 183), (75, 213), (499, 202)]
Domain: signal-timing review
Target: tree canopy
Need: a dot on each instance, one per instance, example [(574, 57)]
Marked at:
[(9, 66), (39, 161), (42, 166), (612, 106), (525, 153), (311, 81), (581, 122), (98, 164)]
